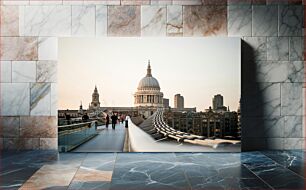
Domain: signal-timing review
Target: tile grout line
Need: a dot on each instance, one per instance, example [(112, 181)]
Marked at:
[(257, 176), (184, 173), (283, 166), (110, 183), (277, 164), (77, 170)]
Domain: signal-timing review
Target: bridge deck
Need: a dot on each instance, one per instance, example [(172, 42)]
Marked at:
[(108, 140)]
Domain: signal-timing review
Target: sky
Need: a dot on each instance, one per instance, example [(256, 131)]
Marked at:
[(196, 68)]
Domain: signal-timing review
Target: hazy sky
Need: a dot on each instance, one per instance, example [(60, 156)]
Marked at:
[(197, 68)]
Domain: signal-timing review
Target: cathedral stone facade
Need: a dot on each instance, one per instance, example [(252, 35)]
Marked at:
[(148, 92), (95, 103)]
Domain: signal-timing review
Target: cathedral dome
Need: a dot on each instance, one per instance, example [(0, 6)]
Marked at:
[(148, 82)]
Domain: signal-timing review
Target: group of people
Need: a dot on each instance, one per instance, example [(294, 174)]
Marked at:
[(115, 118)]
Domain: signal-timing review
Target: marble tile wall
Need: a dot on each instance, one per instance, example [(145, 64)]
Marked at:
[(272, 59)]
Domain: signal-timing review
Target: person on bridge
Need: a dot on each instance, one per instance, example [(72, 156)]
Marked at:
[(85, 117), (127, 117), (107, 120), (114, 120)]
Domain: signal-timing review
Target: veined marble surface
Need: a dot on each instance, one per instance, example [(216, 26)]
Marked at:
[(280, 71), (31, 127), (6, 71), (47, 48), (265, 21), (292, 99), (262, 99), (9, 126), (278, 48), (101, 20), (205, 21), (15, 99), (23, 71), (18, 48), (175, 20), (83, 20), (239, 20), (9, 21), (290, 20), (293, 127), (296, 48), (123, 21), (54, 93), (46, 71), (251, 170), (40, 99), (257, 49), (49, 20), (153, 20)]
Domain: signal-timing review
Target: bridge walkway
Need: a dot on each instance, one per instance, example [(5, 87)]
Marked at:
[(108, 140)]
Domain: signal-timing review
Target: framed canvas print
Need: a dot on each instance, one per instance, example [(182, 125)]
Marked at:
[(126, 94)]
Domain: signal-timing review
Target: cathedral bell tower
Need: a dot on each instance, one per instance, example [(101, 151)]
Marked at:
[(95, 103)]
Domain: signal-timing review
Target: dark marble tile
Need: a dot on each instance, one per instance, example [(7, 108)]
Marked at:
[(293, 160), (271, 172), (148, 171), (77, 185), (218, 171)]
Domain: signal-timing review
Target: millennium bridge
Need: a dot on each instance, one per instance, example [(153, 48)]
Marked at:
[(152, 135)]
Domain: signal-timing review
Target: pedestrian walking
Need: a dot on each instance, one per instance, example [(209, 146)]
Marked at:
[(107, 120), (114, 118)]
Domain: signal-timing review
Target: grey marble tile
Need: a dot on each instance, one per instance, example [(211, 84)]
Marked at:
[(40, 99), (123, 21), (174, 20), (278, 48), (23, 71), (153, 20), (262, 99), (264, 22), (147, 171), (239, 20), (15, 99), (217, 171), (293, 160), (280, 71), (257, 48), (296, 48), (294, 144), (46, 71), (205, 20), (293, 127), (83, 20), (272, 173), (290, 20), (49, 20), (101, 20), (291, 99), (6, 71)]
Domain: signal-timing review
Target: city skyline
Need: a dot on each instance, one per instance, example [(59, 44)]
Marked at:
[(117, 81)]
